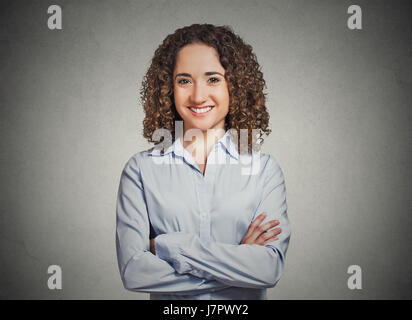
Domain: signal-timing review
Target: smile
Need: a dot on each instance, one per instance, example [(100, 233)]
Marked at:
[(201, 111)]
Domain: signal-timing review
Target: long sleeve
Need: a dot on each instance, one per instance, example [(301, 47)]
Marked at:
[(140, 270), (251, 266)]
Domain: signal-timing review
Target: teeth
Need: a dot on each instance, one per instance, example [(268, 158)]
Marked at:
[(201, 110)]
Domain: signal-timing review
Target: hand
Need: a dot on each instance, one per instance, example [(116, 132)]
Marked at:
[(258, 233), (152, 246)]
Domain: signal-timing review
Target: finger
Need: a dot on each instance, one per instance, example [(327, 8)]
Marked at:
[(268, 225), (270, 234), (259, 219), (263, 228), (255, 223), (273, 236), (270, 240)]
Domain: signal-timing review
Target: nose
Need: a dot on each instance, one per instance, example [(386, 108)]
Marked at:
[(199, 94)]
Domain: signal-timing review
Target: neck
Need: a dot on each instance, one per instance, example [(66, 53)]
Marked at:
[(200, 142)]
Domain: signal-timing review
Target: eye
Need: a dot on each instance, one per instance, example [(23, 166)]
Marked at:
[(214, 80), (183, 81)]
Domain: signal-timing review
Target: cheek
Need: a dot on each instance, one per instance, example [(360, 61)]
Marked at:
[(223, 98), (178, 98)]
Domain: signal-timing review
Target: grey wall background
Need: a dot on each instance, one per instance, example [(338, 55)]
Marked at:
[(340, 105)]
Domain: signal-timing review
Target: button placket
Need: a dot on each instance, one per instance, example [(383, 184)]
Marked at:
[(205, 192), (204, 217)]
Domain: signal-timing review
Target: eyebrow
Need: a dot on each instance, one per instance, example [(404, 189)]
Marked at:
[(209, 73)]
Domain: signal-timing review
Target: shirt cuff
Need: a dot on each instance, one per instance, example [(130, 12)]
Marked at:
[(168, 248)]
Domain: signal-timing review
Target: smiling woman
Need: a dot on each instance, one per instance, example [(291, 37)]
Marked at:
[(188, 227), (201, 97), (236, 65)]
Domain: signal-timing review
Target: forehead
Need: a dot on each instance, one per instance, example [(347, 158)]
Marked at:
[(197, 57)]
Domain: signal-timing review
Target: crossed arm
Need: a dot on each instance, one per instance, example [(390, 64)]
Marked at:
[(258, 233), (249, 264), (182, 263)]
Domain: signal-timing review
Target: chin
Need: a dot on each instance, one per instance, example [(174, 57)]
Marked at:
[(201, 126)]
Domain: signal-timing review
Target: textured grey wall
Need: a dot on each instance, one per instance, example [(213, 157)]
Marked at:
[(340, 112)]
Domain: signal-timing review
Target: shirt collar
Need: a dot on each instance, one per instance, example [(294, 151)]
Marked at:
[(177, 148), (227, 142)]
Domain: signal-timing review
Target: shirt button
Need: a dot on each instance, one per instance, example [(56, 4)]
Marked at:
[(203, 215)]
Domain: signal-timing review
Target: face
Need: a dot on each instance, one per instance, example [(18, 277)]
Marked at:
[(201, 93)]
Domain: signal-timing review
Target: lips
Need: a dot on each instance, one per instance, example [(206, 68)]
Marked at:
[(200, 111)]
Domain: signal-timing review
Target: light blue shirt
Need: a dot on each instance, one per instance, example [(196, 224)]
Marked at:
[(199, 221)]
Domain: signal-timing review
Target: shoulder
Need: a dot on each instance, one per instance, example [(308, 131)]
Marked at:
[(138, 160), (270, 167), (269, 161)]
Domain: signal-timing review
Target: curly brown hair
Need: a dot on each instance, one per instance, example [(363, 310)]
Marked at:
[(245, 81)]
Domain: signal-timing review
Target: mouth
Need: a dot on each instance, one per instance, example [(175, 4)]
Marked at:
[(202, 111)]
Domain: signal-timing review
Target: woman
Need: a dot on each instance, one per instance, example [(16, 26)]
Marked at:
[(198, 217)]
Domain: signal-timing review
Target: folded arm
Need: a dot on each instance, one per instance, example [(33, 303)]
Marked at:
[(140, 270), (244, 265)]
